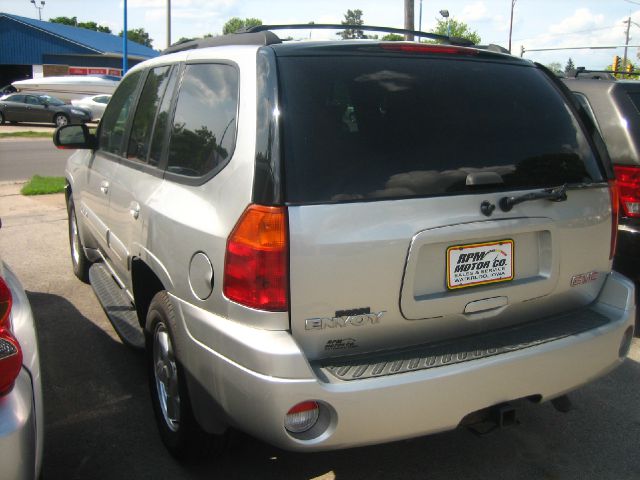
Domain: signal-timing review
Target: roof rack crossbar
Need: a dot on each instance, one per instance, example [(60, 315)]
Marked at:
[(338, 26)]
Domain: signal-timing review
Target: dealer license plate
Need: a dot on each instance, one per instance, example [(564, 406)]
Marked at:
[(479, 264)]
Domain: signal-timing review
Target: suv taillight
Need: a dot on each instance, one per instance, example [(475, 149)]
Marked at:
[(628, 179), (615, 213), (10, 351), (256, 263)]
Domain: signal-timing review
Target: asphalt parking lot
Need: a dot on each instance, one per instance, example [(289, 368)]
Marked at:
[(99, 422)]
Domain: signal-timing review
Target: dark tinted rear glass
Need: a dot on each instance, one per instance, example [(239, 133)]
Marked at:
[(389, 127), (635, 98)]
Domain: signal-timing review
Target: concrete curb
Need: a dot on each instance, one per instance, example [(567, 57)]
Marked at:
[(11, 188)]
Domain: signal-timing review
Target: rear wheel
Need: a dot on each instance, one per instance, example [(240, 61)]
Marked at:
[(1, 118), (79, 260), (60, 120), (178, 428)]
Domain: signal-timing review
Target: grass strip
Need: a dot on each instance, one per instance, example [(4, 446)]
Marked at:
[(43, 185), (28, 134)]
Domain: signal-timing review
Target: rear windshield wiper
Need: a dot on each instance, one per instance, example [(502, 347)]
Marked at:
[(556, 194)]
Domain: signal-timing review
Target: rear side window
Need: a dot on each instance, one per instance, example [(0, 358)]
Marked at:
[(114, 120), (358, 128), (162, 120), (150, 99), (635, 99), (15, 98), (204, 125)]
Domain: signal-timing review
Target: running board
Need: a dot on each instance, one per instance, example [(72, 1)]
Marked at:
[(116, 304)]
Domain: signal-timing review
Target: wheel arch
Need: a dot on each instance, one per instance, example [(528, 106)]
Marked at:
[(145, 283)]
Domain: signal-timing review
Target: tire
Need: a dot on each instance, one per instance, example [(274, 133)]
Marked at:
[(60, 119), (79, 260), (1, 118), (179, 430)]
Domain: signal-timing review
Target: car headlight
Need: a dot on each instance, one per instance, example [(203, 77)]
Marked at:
[(75, 111)]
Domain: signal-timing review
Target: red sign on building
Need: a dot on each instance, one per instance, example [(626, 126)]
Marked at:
[(94, 71)]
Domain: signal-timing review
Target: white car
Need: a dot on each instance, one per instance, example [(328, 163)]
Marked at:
[(95, 103)]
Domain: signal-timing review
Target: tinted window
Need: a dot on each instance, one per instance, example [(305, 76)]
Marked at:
[(33, 101), (15, 98), (204, 126), (635, 98), (146, 113), (116, 114), (370, 127), (584, 103), (103, 99), (162, 120), (52, 100)]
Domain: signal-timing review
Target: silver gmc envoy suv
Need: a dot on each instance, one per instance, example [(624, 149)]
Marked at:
[(339, 243)]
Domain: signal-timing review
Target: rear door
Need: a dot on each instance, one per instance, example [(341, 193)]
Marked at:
[(14, 108), (395, 168), (95, 197), (137, 176)]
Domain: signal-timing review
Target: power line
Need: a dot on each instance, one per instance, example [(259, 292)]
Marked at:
[(566, 33)]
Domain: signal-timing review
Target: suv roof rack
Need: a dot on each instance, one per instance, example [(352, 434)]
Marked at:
[(262, 35), (257, 38), (339, 26), (593, 74)]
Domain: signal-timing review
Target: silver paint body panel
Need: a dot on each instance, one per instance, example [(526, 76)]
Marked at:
[(21, 411)]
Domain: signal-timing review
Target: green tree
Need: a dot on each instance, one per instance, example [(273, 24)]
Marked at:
[(352, 17), (235, 24), (73, 21), (456, 28), (570, 66), (138, 35), (393, 37), (555, 67)]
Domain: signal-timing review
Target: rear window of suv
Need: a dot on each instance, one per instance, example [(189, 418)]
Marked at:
[(359, 128)]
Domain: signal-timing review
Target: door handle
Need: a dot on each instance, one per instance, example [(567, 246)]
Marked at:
[(104, 187), (134, 210)]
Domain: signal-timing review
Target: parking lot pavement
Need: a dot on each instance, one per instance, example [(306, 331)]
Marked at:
[(99, 422)]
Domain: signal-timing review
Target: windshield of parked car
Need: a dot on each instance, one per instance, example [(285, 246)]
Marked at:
[(50, 100), (357, 128)]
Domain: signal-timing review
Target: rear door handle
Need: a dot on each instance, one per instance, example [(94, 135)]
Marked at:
[(134, 210), (104, 187)]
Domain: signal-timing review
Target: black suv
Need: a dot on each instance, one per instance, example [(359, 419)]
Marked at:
[(615, 108)]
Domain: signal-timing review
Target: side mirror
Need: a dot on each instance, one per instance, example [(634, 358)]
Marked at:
[(74, 137)]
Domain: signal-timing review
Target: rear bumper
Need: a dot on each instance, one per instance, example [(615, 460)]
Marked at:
[(254, 392), (18, 431)]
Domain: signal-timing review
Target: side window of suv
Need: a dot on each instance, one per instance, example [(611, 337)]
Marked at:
[(143, 120), (204, 126), (113, 123)]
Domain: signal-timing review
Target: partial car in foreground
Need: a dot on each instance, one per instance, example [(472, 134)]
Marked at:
[(19, 107), (96, 104), (21, 413), (614, 105)]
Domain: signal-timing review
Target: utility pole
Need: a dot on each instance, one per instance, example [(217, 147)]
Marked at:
[(168, 23), (626, 43), (125, 53), (408, 18), (513, 2)]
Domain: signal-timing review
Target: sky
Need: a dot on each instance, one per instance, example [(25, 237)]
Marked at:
[(537, 24)]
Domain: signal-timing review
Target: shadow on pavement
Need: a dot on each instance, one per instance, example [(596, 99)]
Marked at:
[(99, 424)]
